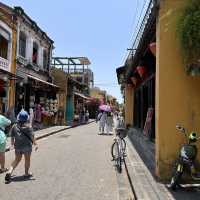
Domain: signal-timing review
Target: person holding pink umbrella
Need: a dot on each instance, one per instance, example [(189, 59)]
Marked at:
[(109, 123), (102, 117)]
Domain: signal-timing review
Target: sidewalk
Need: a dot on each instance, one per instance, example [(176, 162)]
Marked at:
[(47, 132), (145, 185)]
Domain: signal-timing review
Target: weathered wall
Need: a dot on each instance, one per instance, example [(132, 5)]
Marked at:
[(61, 80), (177, 94), (13, 69), (129, 103)]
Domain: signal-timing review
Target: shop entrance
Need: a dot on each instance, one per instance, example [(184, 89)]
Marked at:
[(144, 98), (69, 110)]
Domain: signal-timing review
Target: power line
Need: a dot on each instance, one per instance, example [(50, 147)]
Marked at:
[(132, 26), (136, 27)]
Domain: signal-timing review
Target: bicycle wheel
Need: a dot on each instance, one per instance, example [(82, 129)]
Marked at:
[(118, 159), (123, 145), (113, 153)]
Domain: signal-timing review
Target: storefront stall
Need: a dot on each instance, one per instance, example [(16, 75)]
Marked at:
[(40, 97), (7, 82), (80, 107)]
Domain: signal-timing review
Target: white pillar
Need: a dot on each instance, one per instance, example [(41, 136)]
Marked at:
[(29, 48), (40, 57), (18, 32)]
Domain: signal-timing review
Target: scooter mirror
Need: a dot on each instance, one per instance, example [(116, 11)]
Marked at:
[(180, 128)]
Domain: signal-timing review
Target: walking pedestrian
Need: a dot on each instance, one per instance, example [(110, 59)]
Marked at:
[(116, 120), (87, 116), (109, 123), (4, 122), (22, 138), (102, 117), (31, 117)]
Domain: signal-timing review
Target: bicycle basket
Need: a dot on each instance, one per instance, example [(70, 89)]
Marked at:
[(121, 132)]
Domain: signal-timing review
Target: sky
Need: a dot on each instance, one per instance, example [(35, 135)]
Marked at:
[(100, 30)]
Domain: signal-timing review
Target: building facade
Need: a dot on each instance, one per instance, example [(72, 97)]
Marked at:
[(158, 91), (8, 35), (34, 88)]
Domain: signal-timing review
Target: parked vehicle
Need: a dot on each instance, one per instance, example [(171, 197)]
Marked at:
[(186, 160), (118, 148)]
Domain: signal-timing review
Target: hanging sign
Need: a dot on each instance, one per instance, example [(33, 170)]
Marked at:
[(147, 126)]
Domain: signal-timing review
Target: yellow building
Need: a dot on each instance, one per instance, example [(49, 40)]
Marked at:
[(162, 90), (98, 94), (8, 34)]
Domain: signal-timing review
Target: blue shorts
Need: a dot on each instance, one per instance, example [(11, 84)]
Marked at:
[(24, 150)]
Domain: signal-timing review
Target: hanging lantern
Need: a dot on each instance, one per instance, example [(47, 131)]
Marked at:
[(141, 71), (134, 80), (130, 86), (152, 47)]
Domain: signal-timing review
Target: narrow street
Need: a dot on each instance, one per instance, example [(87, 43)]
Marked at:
[(73, 164)]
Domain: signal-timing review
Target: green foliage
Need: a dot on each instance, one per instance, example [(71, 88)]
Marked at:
[(189, 32)]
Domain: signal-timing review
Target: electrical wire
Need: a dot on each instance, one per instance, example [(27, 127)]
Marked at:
[(132, 25), (135, 27)]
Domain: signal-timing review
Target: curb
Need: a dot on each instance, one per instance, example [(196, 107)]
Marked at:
[(143, 183), (54, 132)]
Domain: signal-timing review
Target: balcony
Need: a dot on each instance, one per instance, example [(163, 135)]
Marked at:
[(22, 61), (4, 64)]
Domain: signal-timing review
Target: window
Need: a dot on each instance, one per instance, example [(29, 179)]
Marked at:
[(45, 59), (3, 47), (35, 53), (22, 44)]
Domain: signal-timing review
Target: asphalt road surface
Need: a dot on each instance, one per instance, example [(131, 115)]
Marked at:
[(71, 165)]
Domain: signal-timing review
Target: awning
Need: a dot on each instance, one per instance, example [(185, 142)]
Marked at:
[(10, 75), (81, 95), (42, 81)]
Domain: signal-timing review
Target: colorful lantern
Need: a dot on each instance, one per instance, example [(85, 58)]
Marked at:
[(129, 85), (134, 80), (141, 71)]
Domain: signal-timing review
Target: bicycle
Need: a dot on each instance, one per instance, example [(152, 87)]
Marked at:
[(118, 148)]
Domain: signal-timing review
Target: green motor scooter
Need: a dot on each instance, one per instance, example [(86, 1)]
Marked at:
[(186, 160)]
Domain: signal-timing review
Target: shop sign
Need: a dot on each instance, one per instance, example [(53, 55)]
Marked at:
[(4, 64), (36, 68), (22, 61), (147, 126)]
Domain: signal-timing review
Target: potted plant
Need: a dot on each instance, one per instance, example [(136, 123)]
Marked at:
[(189, 36)]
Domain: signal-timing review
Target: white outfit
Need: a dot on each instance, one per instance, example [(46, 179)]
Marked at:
[(116, 121), (31, 117), (102, 121), (109, 124)]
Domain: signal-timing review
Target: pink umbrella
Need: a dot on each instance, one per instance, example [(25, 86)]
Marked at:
[(106, 108)]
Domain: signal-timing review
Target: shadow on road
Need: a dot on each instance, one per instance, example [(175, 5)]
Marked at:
[(21, 179), (105, 134), (186, 193), (64, 136)]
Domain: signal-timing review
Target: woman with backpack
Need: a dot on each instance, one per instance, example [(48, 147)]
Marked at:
[(22, 138), (4, 122)]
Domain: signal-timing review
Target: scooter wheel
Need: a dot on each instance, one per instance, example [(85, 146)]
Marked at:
[(175, 181)]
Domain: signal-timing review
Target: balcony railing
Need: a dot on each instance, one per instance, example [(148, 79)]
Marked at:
[(22, 60), (4, 64), (140, 30)]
